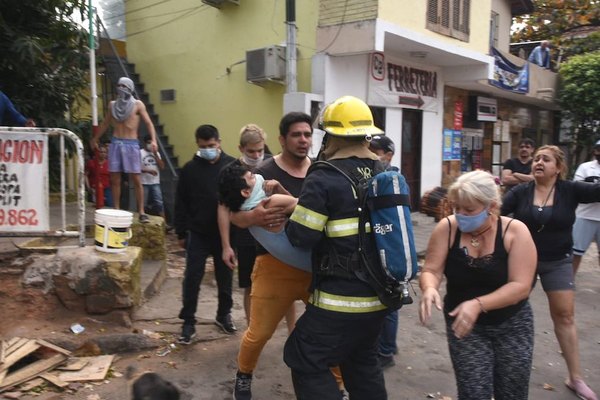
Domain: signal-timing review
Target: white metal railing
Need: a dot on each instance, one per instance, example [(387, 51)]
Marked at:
[(20, 222)]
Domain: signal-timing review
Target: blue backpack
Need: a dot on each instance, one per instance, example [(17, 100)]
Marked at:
[(384, 202)]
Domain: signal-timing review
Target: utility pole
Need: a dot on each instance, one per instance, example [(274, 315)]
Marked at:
[(290, 53), (93, 69)]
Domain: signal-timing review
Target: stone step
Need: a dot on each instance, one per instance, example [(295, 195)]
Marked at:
[(152, 277)]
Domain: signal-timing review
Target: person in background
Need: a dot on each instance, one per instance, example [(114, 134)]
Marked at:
[(152, 163), (198, 232), (125, 114), (97, 177), (9, 114), (540, 55), (518, 170), (489, 263), (547, 207), (384, 147), (587, 221)]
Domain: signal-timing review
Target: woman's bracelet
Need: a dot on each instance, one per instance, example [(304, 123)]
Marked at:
[(483, 310)]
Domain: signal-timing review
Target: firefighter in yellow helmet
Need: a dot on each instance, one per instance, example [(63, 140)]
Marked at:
[(344, 316)]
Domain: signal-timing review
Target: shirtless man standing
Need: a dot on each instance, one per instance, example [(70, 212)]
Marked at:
[(124, 115)]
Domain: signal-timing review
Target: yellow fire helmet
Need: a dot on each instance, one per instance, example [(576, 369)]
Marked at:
[(349, 116)]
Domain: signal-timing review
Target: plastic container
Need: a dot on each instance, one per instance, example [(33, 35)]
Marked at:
[(113, 230)]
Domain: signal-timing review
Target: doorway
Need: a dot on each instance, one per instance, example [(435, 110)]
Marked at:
[(412, 122)]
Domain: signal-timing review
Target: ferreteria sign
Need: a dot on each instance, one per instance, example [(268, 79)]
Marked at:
[(393, 83), (23, 182)]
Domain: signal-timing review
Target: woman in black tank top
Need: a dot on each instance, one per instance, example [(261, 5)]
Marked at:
[(489, 263)]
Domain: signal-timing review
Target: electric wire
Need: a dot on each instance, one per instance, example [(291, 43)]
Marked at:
[(137, 9), (164, 14), (188, 14), (339, 28)]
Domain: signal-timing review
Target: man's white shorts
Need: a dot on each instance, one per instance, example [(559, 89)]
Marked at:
[(584, 231)]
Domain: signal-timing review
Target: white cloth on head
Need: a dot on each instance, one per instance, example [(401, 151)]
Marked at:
[(125, 103)]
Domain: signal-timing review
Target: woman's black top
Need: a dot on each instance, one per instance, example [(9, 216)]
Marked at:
[(551, 227), (468, 277)]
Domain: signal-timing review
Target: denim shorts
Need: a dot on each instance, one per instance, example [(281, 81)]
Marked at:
[(584, 232)]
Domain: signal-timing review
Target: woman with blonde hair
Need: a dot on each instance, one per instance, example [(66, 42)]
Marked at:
[(547, 206), (489, 263)]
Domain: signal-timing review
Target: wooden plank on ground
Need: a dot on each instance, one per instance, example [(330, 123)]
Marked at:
[(2, 375), (95, 370), (15, 344), (30, 384), (74, 364), (13, 341), (53, 347), (54, 379), (19, 353), (31, 371)]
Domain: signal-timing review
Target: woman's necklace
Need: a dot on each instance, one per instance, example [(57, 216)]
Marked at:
[(541, 207), (474, 238)]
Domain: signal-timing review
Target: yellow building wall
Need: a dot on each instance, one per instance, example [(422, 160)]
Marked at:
[(332, 12), (199, 51), (411, 14)]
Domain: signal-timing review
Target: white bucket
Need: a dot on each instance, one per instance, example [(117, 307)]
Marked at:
[(113, 230)]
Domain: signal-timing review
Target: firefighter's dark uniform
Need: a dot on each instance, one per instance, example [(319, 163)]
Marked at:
[(344, 315)]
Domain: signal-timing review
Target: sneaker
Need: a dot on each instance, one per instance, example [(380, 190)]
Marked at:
[(386, 361), (345, 394), (226, 324), (242, 390), (188, 332), (144, 219)]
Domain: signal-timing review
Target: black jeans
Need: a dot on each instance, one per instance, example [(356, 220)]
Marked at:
[(198, 248), (325, 339)]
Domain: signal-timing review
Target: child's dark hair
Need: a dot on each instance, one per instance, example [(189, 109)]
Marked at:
[(231, 184), (151, 386)]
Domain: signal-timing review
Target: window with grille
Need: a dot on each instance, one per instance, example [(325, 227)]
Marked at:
[(449, 17)]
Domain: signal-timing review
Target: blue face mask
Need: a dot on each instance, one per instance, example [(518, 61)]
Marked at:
[(208, 154), (470, 223)]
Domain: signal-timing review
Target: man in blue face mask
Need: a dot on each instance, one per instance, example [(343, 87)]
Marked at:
[(197, 229)]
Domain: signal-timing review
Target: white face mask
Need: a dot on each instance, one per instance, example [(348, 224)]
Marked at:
[(149, 148), (252, 162)]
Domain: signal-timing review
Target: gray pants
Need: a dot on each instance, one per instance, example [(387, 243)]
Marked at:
[(494, 360)]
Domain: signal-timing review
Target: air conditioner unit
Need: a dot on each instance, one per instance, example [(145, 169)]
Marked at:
[(266, 65), (219, 3)]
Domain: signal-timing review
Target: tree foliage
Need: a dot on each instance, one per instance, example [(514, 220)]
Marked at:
[(578, 97), (551, 18), (44, 57)]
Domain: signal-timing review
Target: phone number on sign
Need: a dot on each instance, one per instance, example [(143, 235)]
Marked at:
[(14, 217)]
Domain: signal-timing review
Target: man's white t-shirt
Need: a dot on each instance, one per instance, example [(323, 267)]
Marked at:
[(149, 162), (588, 172)]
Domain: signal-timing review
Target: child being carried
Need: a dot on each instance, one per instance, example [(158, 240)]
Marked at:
[(242, 190)]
